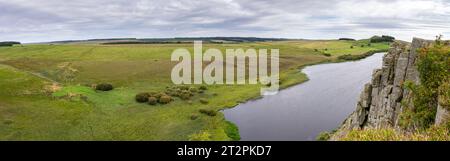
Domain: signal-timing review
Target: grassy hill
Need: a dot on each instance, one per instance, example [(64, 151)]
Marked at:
[(46, 90)]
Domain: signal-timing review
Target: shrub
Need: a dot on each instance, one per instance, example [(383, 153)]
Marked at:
[(194, 117), (204, 101), (327, 54), (369, 44), (104, 87), (203, 88), (433, 66), (316, 50), (165, 99), (185, 95), (347, 39), (351, 47), (152, 100), (142, 97), (362, 45), (208, 112), (323, 136), (384, 38), (232, 131), (193, 90)]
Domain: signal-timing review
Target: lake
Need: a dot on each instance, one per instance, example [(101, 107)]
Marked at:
[(303, 111)]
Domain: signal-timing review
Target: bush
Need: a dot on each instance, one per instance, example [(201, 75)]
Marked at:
[(193, 90), (194, 117), (185, 95), (362, 45), (232, 131), (323, 136), (384, 38), (357, 57), (204, 101), (104, 87), (152, 100), (351, 47), (8, 43), (165, 99), (203, 88), (347, 39), (142, 97), (327, 54), (208, 112)]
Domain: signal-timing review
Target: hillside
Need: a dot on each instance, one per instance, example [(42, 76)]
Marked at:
[(47, 90)]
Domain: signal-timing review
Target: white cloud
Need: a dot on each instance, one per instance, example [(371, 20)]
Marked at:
[(45, 20)]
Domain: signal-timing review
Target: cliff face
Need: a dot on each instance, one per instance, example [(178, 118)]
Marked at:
[(380, 103)]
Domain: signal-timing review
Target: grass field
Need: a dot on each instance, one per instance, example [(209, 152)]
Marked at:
[(46, 94)]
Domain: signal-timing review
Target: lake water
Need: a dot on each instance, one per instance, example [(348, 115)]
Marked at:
[(303, 111)]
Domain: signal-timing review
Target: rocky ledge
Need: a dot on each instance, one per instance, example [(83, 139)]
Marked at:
[(379, 105)]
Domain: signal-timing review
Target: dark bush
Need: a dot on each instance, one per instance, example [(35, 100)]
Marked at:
[(347, 39), (369, 44), (185, 95), (203, 88), (204, 101), (104, 87), (8, 43), (193, 90), (142, 97), (152, 100), (316, 50), (384, 38), (357, 57), (194, 117), (351, 47), (208, 112), (327, 54), (362, 45), (165, 99)]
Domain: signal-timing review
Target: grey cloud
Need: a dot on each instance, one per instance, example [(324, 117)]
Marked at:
[(46, 20)]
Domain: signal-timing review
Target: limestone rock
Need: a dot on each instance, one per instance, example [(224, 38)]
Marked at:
[(380, 103)]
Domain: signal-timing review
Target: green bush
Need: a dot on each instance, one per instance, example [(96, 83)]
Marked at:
[(203, 88), (193, 117), (384, 38), (323, 136), (193, 90), (165, 99), (327, 54), (152, 100), (433, 64), (104, 87), (204, 101), (208, 112), (142, 97), (351, 47), (232, 131), (185, 95)]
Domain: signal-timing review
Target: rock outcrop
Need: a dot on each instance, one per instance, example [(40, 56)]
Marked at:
[(383, 99)]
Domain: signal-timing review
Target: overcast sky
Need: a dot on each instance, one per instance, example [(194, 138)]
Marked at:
[(48, 20)]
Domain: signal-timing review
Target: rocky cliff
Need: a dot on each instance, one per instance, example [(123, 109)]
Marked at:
[(384, 98)]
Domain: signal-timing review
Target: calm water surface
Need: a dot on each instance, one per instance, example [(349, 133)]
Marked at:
[(303, 111)]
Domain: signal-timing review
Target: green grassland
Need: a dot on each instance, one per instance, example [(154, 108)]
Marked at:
[(46, 94)]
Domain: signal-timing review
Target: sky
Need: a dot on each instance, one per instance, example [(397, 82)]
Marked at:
[(51, 20)]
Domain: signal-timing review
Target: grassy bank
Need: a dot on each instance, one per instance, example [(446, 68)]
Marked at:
[(46, 90)]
